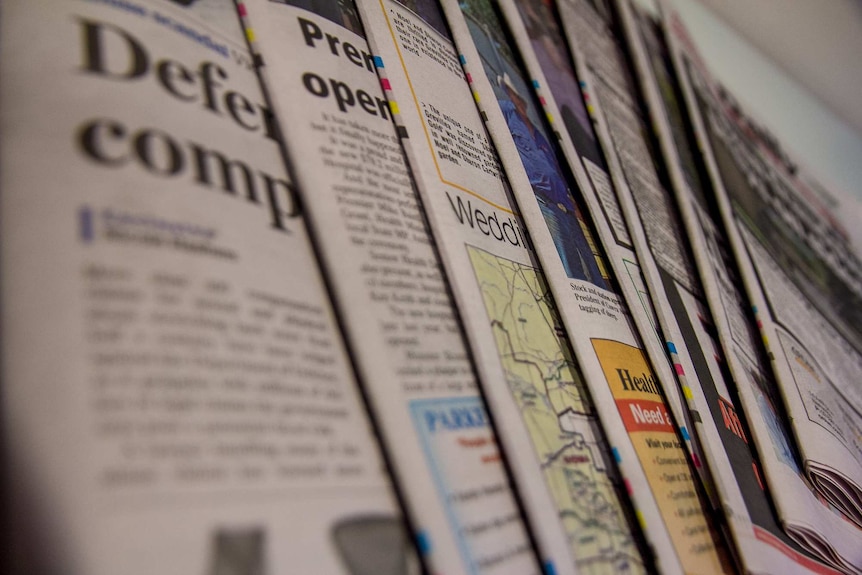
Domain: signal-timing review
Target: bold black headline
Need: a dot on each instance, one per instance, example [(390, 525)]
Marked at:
[(346, 98), (113, 54)]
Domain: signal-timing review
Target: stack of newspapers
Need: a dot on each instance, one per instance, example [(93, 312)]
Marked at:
[(390, 287)]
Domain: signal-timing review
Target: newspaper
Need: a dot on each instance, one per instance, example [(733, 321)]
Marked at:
[(803, 278), (389, 287), (805, 518), (543, 49), (628, 400), (175, 392), (762, 547), (547, 423)]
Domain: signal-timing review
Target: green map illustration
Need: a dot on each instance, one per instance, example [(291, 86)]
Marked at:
[(550, 394)]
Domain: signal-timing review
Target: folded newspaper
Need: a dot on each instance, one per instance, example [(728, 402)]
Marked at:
[(176, 393)]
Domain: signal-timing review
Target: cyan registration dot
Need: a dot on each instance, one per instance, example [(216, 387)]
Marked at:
[(424, 542)]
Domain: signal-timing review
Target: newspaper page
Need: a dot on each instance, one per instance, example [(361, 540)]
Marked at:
[(762, 547), (802, 512), (547, 424), (802, 276), (628, 399), (176, 396), (389, 287), (543, 48)]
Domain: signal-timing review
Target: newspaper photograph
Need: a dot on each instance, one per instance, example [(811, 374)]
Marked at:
[(572, 492), (175, 390), (388, 287), (629, 401)]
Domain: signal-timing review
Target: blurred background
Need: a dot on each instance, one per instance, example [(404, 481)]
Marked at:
[(796, 65)]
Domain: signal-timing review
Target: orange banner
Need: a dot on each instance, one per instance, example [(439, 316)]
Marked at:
[(640, 415)]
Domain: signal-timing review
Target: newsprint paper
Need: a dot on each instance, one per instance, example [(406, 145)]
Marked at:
[(628, 399), (761, 544), (547, 422), (802, 275), (176, 395), (803, 513), (388, 286)]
